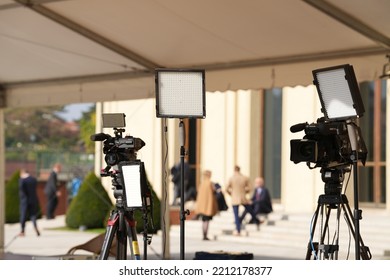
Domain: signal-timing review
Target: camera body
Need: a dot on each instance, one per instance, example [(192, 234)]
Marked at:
[(118, 148), (326, 144)]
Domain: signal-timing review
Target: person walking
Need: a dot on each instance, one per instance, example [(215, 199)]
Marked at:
[(51, 191), (206, 202), (28, 200), (237, 187), (176, 179), (73, 186)]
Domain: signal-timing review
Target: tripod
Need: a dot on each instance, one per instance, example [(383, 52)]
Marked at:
[(333, 199), (122, 224)]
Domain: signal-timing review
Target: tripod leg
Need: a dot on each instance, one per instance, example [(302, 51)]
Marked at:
[(112, 226), (132, 234), (365, 253), (328, 251), (121, 238), (313, 246)]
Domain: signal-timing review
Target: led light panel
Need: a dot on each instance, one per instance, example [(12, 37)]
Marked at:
[(339, 92), (180, 93), (131, 175)]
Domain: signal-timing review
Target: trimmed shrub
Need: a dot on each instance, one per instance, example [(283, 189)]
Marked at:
[(12, 200), (90, 206)]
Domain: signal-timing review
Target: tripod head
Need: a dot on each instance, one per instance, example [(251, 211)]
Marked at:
[(333, 179)]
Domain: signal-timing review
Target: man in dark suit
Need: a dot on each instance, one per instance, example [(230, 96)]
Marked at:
[(261, 200), (28, 200), (51, 191)]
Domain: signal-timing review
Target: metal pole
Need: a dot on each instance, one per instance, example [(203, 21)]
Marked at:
[(182, 211), (357, 212)]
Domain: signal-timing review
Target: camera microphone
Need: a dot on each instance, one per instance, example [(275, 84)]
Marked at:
[(99, 137), (298, 127)]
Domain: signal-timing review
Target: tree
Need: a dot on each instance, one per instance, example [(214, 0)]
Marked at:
[(29, 129), (87, 128)]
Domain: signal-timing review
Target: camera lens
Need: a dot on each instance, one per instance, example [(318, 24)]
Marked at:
[(303, 150), (307, 150), (111, 159)]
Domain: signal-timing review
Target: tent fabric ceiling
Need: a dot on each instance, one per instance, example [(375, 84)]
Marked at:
[(63, 51)]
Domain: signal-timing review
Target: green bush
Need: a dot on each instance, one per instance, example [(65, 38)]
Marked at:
[(12, 199), (90, 206)]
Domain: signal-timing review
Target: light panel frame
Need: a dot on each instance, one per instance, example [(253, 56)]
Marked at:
[(180, 93), (339, 93), (132, 184)]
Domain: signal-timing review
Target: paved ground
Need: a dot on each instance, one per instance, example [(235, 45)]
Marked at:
[(54, 242), (287, 240)]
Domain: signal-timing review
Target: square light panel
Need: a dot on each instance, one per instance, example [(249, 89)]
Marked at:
[(339, 92), (180, 93)]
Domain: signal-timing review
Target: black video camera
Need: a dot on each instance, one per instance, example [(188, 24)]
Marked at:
[(118, 148), (326, 144)]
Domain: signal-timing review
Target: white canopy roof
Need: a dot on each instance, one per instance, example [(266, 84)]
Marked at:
[(63, 51)]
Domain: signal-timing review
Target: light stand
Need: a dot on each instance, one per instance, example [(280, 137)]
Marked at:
[(180, 93)]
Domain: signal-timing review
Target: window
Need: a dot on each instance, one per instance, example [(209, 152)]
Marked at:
[(372, 179), (272, 140)]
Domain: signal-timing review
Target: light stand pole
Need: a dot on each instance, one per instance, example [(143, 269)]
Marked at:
[(357, 214), (183, 213)]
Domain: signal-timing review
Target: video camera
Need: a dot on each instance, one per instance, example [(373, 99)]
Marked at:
[(129, 177), (335, 141), (326, 144), (117, 148)]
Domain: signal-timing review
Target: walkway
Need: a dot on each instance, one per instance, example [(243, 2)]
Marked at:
[(284, 236)]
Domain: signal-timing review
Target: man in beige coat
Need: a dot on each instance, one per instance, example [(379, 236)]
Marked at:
[(238, 186)]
